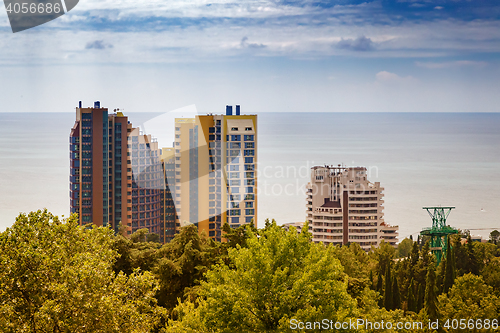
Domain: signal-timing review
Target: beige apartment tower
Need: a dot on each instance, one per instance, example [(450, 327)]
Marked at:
[(215, 171), (343, 206)]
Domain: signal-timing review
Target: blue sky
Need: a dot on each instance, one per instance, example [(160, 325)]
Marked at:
[(265, 55)]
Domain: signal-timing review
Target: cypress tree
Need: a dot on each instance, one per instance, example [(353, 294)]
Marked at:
[(371, 279), (449, 271), (472, 265), (396, 297), (430, 293), (380, 289), (420, 297), (388, 287), (414, 257), (441, 275), (411, 301)]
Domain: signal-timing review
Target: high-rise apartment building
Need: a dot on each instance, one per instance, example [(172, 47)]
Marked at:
[(120, 175), (344, 207), (215, 170), (117, 174)]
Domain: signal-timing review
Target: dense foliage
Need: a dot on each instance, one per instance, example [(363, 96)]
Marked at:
[(56, 276)]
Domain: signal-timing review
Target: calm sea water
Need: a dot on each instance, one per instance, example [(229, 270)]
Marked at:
[(421, 159)]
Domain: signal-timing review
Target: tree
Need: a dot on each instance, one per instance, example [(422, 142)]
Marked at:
[(449, 274), (388, 289), (380, 289), (384, 254), (57, 276), (494, 236), (238, 236), (396, 298), (411, 301), (181, 265), (404, 248), (441, 269), (431, 300), (470, 297), (420, 297), (491, 275), (280, 276), (472, 263), (136, 252)]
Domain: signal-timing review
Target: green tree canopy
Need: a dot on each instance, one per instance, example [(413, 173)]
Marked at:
[(57, 277), (404, 248), (470, 297), (181, 265), (279, 277), (431, 300)]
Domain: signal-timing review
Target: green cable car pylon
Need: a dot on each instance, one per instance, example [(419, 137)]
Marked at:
[(439, 231)]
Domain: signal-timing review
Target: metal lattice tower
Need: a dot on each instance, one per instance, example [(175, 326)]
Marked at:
[(439, 231)]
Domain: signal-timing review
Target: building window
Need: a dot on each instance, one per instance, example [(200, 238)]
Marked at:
[(249, 152), (234, 128), (249, 211), (234, 212), (249, 145), (249, 138), (235, 137), (248, 159), (248, 128), (248, 219)]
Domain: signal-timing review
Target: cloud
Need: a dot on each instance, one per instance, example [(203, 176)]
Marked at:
[(390, 78), (451, 64), (245, 44), (98, 45), (359, 44)]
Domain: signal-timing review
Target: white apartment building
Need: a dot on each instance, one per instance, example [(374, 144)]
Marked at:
[(344, 207)]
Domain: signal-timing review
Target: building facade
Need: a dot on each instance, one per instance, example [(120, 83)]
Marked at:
[(117, 174), (343, 206), (120, 176), (215, 171)]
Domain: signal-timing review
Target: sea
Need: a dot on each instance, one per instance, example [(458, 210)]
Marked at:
[(420, 159)]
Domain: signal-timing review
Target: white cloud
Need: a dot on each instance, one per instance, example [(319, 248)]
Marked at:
[(451, 64), (390, 78)]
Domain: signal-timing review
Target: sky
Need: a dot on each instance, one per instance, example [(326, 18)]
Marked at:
[(267, 55)]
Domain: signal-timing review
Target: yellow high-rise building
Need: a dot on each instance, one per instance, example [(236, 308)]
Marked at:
[(215, 171)]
